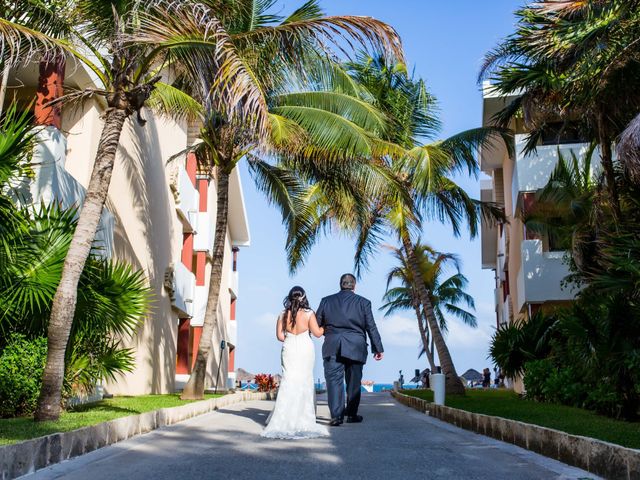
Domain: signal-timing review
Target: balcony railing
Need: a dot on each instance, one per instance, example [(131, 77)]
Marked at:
[(188, 201), (532, 171), (203, 240), (199, 305), (184, 283), (232, 332), (541, 275), (234, 284)]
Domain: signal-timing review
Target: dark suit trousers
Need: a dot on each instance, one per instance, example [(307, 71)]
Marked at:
[(337, 370)]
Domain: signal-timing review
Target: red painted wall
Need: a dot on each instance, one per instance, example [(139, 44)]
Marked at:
[(201, 264), (192, 167), (187, 250), (197, 333), (50, 83), (182, 356), (203, 189)]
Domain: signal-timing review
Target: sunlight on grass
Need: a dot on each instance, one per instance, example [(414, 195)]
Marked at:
[(507, 404), (14, 430)]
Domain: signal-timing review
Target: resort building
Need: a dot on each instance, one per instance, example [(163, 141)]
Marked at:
[(160, 218), (529, 268)]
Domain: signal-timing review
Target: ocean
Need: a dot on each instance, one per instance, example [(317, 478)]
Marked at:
[(381, 387)]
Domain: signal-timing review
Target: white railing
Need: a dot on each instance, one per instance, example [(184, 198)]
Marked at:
[(541, 275), (505, 310), (184, 283), (234, 284), (532, 171), (199, 305), (232, 332), (188, 200), (203, 240)]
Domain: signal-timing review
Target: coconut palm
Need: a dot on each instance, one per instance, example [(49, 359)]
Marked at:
[(422, 169), (112, 300), (190, 37), (311, 119), (447, 295), (572, 62)]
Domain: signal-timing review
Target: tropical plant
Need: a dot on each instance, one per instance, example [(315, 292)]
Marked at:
[(112, 299), (266, 382), (309, 119), (422, 170), (447, 295), (21, 365), (571, 62)]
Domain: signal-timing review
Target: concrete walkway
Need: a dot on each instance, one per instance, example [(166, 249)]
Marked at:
[(392, 442)]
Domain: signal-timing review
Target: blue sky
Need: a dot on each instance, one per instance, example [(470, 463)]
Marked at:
[(445, 41)]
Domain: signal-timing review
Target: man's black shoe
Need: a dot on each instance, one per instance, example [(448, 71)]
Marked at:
[(354, 419), (335, 422)]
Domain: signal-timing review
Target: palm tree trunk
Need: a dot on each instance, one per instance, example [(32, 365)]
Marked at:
[(194, 389), (64, 301), (453, 383), (607, 165), (3, 86), (423, 334)]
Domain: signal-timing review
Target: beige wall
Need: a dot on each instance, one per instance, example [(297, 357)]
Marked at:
[(148, 235)]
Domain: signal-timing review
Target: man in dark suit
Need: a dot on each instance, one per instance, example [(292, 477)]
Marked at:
[(347, 319)]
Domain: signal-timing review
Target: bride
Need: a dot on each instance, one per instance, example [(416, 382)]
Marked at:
[(294, 413)]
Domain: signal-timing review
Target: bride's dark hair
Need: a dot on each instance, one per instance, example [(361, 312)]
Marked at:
[(293, 302)]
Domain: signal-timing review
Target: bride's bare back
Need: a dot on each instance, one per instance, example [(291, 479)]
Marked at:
[(305, 321)]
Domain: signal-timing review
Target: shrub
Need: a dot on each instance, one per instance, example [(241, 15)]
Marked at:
[(265, 382), (21, 365)]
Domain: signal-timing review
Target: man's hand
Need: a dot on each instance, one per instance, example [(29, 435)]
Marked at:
[(378, 356)]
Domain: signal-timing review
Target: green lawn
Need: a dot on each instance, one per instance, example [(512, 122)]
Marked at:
[(507, 404), (14, 430)]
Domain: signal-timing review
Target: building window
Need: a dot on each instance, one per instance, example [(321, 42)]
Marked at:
[(559, 133)]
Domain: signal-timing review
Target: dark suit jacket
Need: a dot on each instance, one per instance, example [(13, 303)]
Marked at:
[(347, 318)]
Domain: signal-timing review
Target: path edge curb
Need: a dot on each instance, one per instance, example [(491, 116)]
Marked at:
[(595, 456), (31, 455)]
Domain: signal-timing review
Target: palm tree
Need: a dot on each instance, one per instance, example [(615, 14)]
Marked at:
[(113, 298), (421, 169), (312, 123), (142, 40), (572, 62), (446, 295)]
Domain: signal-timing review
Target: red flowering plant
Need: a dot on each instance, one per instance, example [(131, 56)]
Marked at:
[(265, 382)]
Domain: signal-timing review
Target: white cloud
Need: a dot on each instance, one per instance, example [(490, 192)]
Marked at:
[(399, 331)]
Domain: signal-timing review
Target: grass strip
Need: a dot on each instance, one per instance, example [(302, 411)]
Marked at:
[(576, 421), (13, 430)]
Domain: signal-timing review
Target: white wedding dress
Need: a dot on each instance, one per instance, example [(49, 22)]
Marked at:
[(294, 414)]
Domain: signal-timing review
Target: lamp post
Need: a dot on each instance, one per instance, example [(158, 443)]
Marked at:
[(223, 345)]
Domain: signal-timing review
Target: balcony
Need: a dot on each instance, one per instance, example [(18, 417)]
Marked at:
[(532, 172), (199, 306), (203, 240), (541, 275), (234, 284), (232, 332), (188, 201), (52, 183), (184, 284), (489, 233)]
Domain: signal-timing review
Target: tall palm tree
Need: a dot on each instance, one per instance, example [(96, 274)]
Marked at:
[(447, 295), (33, 244), (308, 119), (141, 39), (422, 170)]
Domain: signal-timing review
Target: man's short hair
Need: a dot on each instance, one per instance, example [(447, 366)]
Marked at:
[(347, 282)]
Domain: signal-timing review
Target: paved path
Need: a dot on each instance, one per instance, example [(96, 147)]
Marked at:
[(392, 442)]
